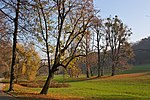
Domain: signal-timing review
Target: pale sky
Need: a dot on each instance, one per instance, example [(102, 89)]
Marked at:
[(134, 13)]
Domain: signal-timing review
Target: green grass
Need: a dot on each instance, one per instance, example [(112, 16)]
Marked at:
[(136, 88), (138, 69), (124, 88), (120, 87)]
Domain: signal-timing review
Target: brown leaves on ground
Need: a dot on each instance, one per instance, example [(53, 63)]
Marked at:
[(36, 96), (40, 84), (25, 93)]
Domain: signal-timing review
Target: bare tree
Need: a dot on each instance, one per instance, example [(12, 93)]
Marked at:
[(16, 9), (16, 13), (117, 39), (69, 20)]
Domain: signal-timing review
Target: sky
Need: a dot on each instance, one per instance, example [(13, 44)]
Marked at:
[(134, 13)]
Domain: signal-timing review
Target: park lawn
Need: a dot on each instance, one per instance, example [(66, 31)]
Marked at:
[(127, 86), (120, 87), (137, 69)]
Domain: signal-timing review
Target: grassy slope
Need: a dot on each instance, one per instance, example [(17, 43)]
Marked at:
[(138, 69), (120, 87), (134, 86)]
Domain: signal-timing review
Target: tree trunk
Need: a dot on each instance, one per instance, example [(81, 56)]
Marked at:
[(102, 67), (113, 70), (99, 64), (99, 74), (91, 71), (87, 66), (99, 58), (47, 83), (12, 77), (102, 70), (87, 73)]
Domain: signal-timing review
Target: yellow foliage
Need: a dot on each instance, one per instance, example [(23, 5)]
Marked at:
[(28, 61), (73, 68)]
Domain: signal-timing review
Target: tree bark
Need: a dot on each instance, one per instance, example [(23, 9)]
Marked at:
[(50, 76), (113, 70), (12, 77), (47, 83), (91, 71), (98, 48), (87, 73), (87, 66), (102, 70), (87, 57), (98, 64)]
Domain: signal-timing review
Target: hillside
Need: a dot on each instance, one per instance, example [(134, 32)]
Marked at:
[(142, 52), (119, 87), (137, 69)]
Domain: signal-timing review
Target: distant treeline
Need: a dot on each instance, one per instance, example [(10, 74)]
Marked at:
[(142, 52)]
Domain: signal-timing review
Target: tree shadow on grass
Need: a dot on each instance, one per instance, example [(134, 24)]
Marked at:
[(33, 98), (28, 96), (85, 79), (37, 96)]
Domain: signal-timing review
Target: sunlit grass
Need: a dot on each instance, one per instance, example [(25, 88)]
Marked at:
[(124, 87), (136, 87), (120, 87)]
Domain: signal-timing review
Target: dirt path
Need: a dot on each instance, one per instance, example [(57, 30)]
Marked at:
[(4, 96)]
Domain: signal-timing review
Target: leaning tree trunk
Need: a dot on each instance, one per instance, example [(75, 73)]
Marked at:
[(50, 75), (47, 83)]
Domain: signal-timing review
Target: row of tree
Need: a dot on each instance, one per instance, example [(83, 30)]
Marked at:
[(63, 29)]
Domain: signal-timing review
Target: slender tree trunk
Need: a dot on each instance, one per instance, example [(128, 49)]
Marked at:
[(98, 64), (47, 84), (87, 72), (102, 70), (91, 71), (113, 70), (102, 66), (98, 48), (87, 66), (12, 77), (87, 58)]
